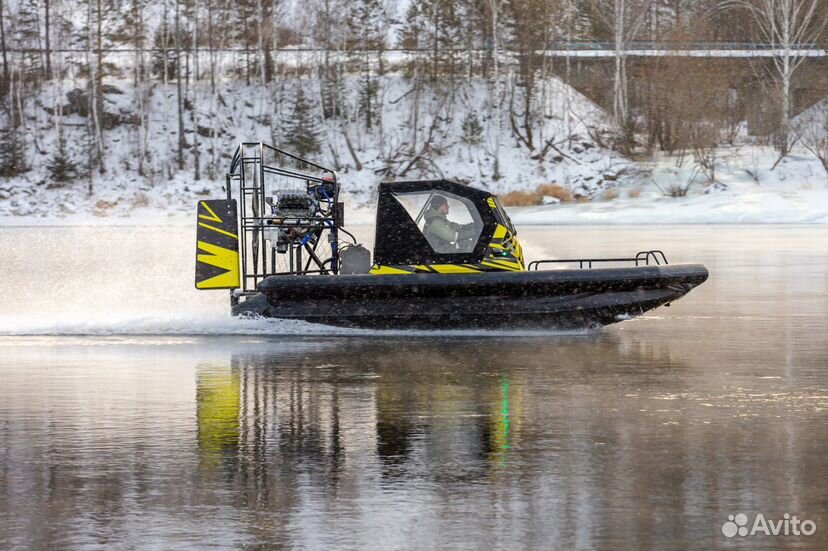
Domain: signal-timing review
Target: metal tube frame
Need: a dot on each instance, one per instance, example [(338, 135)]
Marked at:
[(254, 220)]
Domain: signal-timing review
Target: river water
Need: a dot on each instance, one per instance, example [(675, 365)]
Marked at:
[(135, 414)]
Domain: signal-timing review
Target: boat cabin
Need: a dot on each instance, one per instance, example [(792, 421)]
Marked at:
[(442, 226)]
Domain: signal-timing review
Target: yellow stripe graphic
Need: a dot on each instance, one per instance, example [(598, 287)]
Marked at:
[(213, 217), (380, 270), (219, 230), (453, 269), (220, 258)]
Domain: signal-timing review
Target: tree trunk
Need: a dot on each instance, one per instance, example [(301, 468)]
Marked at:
[(619, 103), (196, 160), (141, 87), (96, 97), (784, 127), (259, 28), (435, 54), (210, 46), (48, 46), (180, 155), (5, 83), (495, 102)]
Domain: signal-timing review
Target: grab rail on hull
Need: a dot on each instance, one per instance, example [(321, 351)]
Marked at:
[(642, 258)]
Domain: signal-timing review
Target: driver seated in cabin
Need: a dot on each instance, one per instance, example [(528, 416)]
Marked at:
[(442, 234)]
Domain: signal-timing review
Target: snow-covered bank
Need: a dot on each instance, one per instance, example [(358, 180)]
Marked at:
[(749, 189), (760, 206)]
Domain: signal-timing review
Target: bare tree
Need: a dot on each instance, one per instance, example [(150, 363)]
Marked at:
[(812, 130), (94, 40), (46, 33), (3, 48), (180, 103), (496, 92), (624, 19), (530, 26), (196, 152), (787, 26)]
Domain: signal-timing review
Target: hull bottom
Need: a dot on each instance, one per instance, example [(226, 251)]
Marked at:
[(570, 299)]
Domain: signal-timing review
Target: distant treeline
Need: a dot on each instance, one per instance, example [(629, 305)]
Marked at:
[(195, 45)]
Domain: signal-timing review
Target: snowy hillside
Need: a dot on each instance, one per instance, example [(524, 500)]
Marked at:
[(124, 110), (416, 131)]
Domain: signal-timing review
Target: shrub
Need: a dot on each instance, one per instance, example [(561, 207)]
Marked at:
[(554, 190), (521, 199), (609, 194), (106, 205), (140, 200), (677, 190)]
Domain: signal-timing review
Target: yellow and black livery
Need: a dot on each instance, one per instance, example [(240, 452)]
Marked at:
[(217, 245), (488, 242)]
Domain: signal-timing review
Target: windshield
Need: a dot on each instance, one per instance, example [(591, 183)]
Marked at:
[(502, 217), (450, 223)]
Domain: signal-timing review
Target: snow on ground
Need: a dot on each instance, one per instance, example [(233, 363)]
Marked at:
[(747, 188), (749, 191), (253, 113), (794, 192), (758, 206)]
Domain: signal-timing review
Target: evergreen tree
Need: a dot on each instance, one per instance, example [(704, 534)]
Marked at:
[(332, 92), (163, 55), (472, 129), (368, 102), (12, 149), (434, 25), (27, 37), (61, 167), (367, 24), (12, 160), (302, 129)]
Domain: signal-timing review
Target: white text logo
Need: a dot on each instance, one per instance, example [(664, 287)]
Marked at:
[(788, 525)]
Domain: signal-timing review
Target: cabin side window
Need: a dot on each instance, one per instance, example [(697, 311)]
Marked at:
[(502, 217), (450, 223)]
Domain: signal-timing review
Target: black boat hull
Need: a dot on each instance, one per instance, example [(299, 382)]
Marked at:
[(551, 299)]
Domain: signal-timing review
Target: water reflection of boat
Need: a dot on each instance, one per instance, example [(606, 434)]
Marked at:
[(304, 411), (434, 408)]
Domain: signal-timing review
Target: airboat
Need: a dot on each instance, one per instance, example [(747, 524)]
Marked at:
[(445, 256)]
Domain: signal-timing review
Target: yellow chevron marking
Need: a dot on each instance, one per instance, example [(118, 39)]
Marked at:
[(507, 263), (220, 258), (453, 269), (498, 266), (491, 203), (383, 270), (219, 230), (213, 217)]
